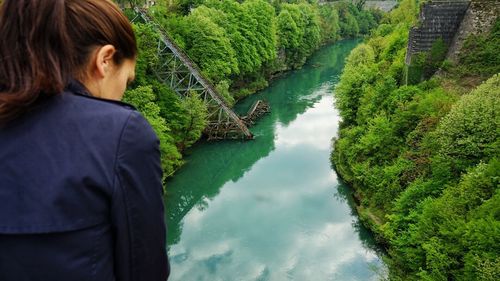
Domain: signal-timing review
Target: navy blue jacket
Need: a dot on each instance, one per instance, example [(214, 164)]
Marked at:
[(81, 193)]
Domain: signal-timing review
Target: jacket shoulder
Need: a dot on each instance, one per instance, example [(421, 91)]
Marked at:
[(95, 112), (78, 142), (104, 102)]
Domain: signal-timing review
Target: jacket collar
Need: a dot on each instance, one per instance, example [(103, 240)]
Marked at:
[(77, 87)]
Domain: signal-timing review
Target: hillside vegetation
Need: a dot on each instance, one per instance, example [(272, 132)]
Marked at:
[(424, 159), (238, 46)]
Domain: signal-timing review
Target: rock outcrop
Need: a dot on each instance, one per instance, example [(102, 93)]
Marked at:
[(479, 18)]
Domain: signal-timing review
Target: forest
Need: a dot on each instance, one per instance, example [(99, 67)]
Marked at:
[(424, 157), (239, 47)]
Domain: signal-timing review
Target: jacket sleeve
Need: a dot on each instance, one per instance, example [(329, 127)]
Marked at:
[(137, 213)]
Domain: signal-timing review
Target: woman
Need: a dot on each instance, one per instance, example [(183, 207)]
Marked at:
[(80, 176)]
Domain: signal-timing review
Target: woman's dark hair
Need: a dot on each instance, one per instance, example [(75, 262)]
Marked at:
[(45, 43)]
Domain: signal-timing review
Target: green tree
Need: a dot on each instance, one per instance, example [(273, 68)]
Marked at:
[(330, 29), (288, 32), (471, 131), (349, 26), (208, 45), (307, 33), (143, 99), (358, 72), (240, 29), (147, 60), (194, 120), (312, 32), (263, 16)]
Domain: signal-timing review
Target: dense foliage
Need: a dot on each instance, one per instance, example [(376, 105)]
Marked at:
[(424, 159), (480, 53), (240, 45), (425, 64), (237, 46), (177, 122)]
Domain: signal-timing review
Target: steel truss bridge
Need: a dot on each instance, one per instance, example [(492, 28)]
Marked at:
[(180, 73)]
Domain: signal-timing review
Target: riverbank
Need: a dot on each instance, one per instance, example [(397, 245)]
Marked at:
[(424, 159), (370, 218)]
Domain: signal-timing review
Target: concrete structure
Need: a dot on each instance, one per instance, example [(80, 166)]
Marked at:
[(479, 18), (438, 19), (385, 6)]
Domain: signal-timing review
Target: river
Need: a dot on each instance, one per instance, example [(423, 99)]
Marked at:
[(272, 208)]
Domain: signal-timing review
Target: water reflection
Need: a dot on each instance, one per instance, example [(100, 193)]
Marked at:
[(270, 209), (207, 169), (315, 127), (345, 194)]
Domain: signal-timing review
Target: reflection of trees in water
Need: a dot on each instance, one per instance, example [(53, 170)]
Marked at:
[(208, 168), (336, 60), (345, 194), (211, 165), (287, 95)]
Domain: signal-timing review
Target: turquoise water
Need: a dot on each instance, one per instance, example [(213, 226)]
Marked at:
[(272, 208)]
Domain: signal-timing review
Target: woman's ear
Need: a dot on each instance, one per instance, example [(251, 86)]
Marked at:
[(99, 69), (104, 60)]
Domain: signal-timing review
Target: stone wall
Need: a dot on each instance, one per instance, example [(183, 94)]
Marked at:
[(478, 19), (385, 6), (438, 19)]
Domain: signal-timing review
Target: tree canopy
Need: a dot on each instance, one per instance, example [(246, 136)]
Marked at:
[(237, 45), (424, 158)]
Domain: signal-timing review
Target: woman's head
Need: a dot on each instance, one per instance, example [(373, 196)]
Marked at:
[(45, 43)]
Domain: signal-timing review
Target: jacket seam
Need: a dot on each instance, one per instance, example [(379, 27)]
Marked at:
[(130, 232), (125, 197), (94, 256), (115, 164)]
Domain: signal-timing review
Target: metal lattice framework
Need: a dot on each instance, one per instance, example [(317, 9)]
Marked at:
[(180, 73)]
